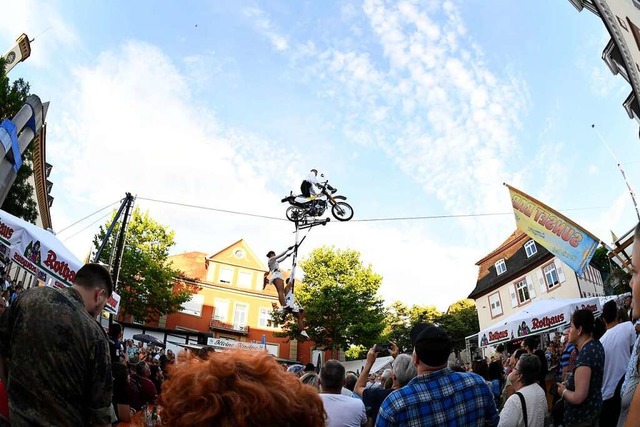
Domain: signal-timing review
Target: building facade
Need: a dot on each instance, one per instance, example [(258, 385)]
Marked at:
[(519, 272), (622, 53)]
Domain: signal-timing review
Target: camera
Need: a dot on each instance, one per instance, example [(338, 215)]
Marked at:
[(382, 347)]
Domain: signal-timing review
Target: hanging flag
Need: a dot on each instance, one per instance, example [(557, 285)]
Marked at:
[(558, 234)]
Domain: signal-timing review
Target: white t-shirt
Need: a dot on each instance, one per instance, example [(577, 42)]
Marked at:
[(617, 343), (536, 401), (343, 411)]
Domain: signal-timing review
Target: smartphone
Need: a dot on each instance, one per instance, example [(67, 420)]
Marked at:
[(382, 347)]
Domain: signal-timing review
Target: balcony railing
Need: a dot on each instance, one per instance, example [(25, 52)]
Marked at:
[(219, 325)]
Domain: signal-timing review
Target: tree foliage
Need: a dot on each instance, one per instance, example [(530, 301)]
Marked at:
[(146, 282), (460, 321), (339, 296), (20, 200)]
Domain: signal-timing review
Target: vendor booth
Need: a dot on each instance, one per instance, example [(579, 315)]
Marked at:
[(41, 253), (538, 317)]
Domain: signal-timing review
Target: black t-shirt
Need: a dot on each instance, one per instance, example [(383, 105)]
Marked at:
[(373, 398)]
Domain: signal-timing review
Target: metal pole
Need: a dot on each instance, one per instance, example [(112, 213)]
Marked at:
[(96, 257), (121, 242)]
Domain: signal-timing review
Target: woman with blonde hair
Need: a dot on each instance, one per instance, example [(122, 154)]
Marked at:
[(237, 388)]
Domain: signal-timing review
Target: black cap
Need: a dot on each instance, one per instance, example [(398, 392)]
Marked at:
[(431, 344), (309, 367)]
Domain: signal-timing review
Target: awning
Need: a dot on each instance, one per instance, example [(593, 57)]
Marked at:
[(540, 316)]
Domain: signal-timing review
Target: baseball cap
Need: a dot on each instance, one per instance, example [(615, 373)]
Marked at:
[(431, 344)]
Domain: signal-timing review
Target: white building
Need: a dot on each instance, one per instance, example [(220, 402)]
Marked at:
[(520, 271)]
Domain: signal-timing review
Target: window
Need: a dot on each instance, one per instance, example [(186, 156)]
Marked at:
[(496, 306), (244, 279), (522, 291), (264, 317), (220, 309), (194, 305), (551, 275), (240, 315), (501, 267), (226, 275), (530, 248)]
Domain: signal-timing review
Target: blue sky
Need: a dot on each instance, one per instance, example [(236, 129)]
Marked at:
[(411, 108)]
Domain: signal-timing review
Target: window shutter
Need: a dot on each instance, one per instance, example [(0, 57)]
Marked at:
[(559, 270), (532, 289), (541, 282), (514, 298)]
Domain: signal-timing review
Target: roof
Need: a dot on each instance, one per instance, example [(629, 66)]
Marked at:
[(192, 264), (238, 254), (516, 260)]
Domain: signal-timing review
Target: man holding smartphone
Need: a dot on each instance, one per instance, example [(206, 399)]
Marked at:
[(403, 370)]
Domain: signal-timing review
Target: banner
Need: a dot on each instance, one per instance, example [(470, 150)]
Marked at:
[(42, 254), (538, 317), (558, 234), (225, 343)]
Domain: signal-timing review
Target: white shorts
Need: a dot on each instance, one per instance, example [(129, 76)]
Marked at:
[(275, 275)]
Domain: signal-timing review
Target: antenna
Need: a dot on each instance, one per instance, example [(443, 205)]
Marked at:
[(41, 33), (624, 176)]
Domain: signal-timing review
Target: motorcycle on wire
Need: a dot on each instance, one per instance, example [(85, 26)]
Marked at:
[(303, 208)]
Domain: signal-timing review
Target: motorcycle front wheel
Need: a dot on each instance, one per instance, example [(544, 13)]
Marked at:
[(294, 213), (342, 211)]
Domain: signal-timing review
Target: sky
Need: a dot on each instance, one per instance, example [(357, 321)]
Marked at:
[(409, 108)]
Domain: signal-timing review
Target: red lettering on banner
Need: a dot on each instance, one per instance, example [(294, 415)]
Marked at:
[(24, 263), (495, 336), (59, 267), (6, 231), (522, 205), (546, 321)]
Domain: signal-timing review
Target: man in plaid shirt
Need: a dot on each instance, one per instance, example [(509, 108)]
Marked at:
[(438, 396)]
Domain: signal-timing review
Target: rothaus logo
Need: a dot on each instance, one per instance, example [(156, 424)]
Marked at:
[(547, 321), (499, 335), (61, 268), (5, 230)]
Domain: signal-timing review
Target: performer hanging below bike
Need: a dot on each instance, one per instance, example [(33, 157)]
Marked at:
[(276, 275), (285, 293)]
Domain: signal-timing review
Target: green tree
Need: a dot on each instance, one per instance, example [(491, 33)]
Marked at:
[(19, 201), (400, 319), (601, 261), (460, 321), (148, 286), (339, 296)]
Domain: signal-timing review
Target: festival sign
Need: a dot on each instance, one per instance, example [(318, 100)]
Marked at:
[(557, 233), (225, 343)]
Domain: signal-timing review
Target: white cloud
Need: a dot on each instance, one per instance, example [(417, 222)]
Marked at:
[(133, 126), (267, 28), (431, 103)]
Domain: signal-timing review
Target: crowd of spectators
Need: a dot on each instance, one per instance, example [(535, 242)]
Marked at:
[(585, 376)]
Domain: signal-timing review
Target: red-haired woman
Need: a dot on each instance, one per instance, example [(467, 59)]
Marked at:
[(238, 388)]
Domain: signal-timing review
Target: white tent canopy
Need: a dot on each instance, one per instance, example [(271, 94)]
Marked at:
[(40, 252), (538, 317)]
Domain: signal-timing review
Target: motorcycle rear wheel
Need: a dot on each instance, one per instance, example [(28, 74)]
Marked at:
[(342, 211), (294, 213)]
